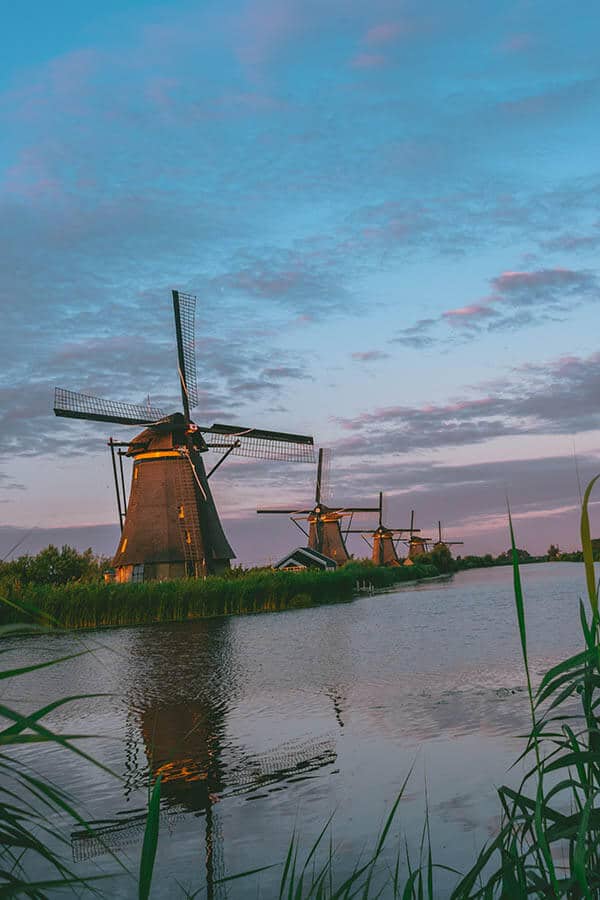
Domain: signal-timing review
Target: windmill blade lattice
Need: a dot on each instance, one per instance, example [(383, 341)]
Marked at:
[(72, 405), (326, 489), (184, 306), (260, 444)]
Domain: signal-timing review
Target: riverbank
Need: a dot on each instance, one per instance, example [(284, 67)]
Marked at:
[(95, 605)]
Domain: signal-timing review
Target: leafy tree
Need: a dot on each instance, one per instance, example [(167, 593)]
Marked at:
[(441, 558), (553, 552), (54, 566)]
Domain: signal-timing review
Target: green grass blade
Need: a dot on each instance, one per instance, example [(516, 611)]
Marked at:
[(579, 855), (586, 546), (13, 673), (150, 843)]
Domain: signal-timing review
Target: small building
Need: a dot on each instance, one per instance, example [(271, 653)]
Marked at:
[(303, 558)]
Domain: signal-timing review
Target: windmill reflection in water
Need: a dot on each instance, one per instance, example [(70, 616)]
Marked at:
[(176, 729)]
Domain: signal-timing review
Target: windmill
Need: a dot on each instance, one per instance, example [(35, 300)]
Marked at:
[(442, 543), (417, 545), (324, 532), (171, 526), (385, 540)]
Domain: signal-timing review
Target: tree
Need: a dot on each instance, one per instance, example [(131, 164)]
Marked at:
[(441, 557), (553, 552), (54, 566)]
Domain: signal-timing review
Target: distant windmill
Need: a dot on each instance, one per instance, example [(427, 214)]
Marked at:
[(442, 543), (417, 545), (384, 540), (171, 526), (324, 533)]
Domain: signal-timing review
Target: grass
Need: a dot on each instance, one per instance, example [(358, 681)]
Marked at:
[(30, 804), (91, 605)]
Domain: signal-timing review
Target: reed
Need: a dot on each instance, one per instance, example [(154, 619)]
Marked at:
[(95, 604), (549, 842)]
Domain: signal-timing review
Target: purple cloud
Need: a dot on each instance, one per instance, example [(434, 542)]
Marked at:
[(517, 299), (557, 398), (369, 61), (517, 43), (367, 356), (386, 33), (469, 316)]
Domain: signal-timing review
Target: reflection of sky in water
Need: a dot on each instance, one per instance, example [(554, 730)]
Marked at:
[(261, 724)]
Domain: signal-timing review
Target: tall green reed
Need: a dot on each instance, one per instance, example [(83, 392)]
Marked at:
[(549, 841)]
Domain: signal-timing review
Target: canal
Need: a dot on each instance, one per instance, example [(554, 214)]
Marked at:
[(264, 725)]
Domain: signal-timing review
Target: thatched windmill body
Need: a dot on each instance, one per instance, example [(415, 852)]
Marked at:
[(171, 526), (324, 522), (383, 540)]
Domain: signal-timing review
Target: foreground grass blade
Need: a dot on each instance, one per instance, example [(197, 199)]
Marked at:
[(586, 546), (150, 843)]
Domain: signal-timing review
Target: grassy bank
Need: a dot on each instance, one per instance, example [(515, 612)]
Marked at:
[(95, 604)]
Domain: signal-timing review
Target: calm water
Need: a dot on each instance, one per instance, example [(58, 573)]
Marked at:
[(266, 723)]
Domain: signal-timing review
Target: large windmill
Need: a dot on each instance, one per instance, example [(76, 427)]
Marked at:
[(324, 522), (384, 540), (171, 527)]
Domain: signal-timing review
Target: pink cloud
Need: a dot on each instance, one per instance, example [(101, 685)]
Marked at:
[(369, 355), (265, 27), (465, 314), (517, 43), (511, 281), (516, 294), (63, 83), (385, 33), (368, 61)]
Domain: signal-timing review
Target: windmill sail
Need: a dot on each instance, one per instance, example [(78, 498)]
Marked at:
[(260, 444), (184, 309), (73, 405)]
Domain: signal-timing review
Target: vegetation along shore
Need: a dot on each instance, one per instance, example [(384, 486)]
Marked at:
[(67, 588)]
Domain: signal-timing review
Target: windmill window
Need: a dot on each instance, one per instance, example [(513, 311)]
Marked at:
[(124, 545), (135, 473), (181, 511), (188, 537), (137, 573)]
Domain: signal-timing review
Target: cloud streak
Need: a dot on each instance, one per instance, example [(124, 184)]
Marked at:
[(517, 299), (553, 399)]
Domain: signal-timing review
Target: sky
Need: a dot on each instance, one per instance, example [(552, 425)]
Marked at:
[(389, 213)]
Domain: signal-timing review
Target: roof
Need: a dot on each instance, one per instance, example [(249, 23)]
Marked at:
[(306, 556)]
